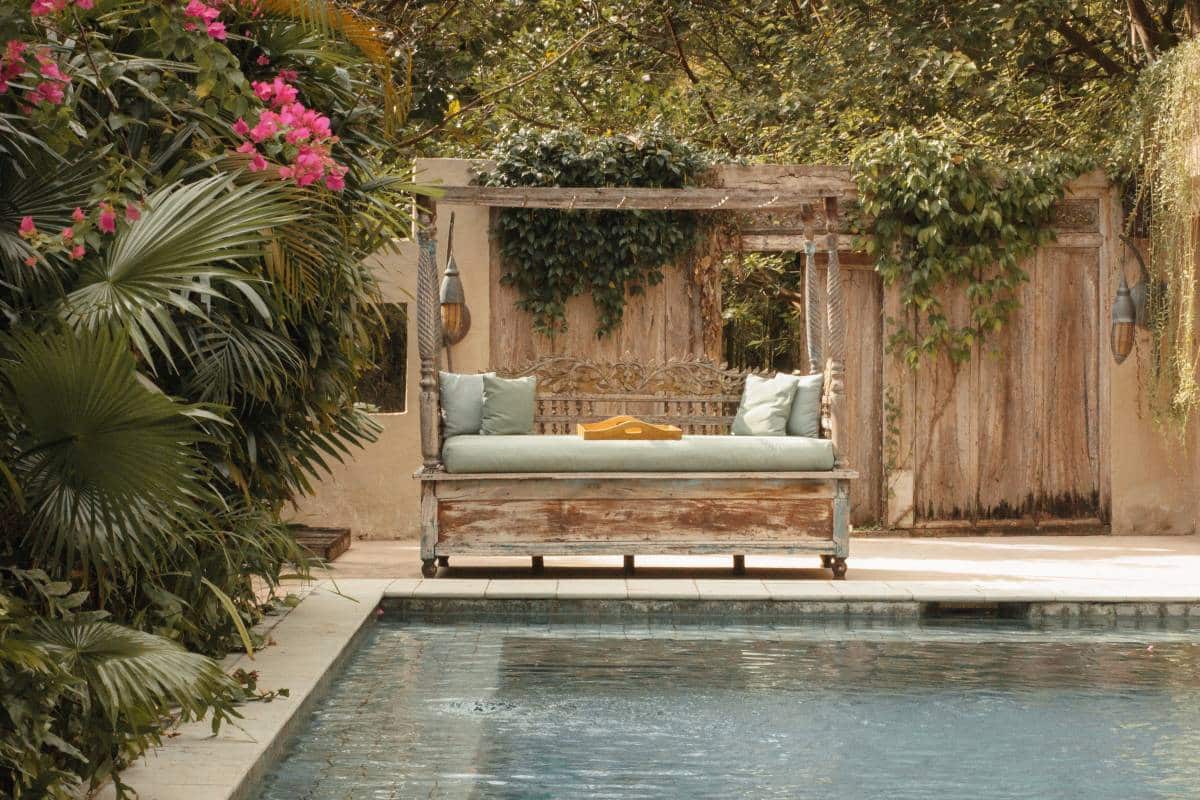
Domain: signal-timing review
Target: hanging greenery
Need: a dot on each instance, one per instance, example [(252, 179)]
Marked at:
[(551, 256), (1169, 141), (937, 214)]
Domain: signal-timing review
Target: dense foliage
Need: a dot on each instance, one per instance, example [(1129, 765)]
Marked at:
[(1169, 99), (552, 256), (187, 193), (943, 216)]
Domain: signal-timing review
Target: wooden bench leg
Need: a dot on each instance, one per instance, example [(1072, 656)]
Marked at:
[(539, 563), (429, 567), (827, 561), (739, 565), (628, 565), (839, 568)]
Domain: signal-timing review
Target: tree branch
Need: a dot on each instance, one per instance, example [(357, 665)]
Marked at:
[(1088, 48), (483, 98), (687, 70), (1144, 28)]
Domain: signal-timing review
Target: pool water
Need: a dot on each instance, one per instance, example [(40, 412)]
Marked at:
[(837, 710)]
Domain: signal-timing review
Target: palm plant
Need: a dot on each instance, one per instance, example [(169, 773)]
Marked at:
[(183, 319)]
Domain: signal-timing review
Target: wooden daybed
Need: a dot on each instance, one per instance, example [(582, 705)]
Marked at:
[(689, 510)]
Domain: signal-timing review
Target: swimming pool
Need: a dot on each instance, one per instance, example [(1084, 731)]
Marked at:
[(840, 709)]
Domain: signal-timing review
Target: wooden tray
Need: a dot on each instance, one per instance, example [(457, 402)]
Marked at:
[(626, 428)]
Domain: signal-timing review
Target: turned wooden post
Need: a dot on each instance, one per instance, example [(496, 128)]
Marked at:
[(835, 388), (814, 309), (429, 333)]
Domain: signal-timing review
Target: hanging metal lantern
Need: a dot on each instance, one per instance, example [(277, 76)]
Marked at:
[(456, 317), (1124, 322)]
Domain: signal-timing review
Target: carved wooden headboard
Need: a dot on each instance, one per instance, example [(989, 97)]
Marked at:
[(697, 395)]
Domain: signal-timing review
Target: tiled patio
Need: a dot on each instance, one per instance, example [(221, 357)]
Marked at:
[(985, 569)]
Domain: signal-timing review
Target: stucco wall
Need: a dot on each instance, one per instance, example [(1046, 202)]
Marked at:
[(1155, 481)]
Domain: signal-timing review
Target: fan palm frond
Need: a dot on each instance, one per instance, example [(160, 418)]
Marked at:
[(230, 359), (189, 236), (134, 674), (106, 461)]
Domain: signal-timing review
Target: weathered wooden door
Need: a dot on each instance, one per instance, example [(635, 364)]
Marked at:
[(1016, 437)]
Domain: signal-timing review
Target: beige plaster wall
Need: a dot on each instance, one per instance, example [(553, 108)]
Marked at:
[(1155, 477), (1155, 481), (374, 493)]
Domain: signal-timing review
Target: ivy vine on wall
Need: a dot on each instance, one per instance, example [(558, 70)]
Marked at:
[(551, 256), (940, 215)]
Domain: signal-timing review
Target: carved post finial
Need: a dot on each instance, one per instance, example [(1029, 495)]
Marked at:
[(835, 387), (429, 334)]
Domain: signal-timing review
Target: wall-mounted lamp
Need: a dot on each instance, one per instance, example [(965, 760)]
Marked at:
[(1128, 308), (456, 317)]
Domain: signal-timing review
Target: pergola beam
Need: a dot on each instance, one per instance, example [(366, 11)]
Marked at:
[(641, 198)]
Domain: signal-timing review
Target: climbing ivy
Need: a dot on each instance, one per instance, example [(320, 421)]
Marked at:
[(941, 215), (551, 256)]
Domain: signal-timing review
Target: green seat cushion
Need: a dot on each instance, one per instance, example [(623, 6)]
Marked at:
[(508, 405), (462, 402), (468, 454), (805, 416), (765, 406)]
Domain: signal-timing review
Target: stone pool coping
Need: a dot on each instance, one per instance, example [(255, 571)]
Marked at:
[(309, 642)]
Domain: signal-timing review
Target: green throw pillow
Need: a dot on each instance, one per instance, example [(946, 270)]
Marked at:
[(805, 417), (766, 404), (462, 403), (508, 405)]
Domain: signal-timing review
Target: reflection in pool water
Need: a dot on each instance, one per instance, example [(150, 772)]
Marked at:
[(835, 710)]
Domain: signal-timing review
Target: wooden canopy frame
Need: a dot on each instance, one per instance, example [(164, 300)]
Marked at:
[(815, 506)]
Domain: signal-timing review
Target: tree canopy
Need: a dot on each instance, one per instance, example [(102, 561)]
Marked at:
[(785, 80)]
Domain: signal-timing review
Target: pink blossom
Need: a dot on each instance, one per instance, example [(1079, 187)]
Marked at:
[(258, 163), (68, 234), (217, 30), (108, 219), (77, 252), (288, 74), (335, 180), (48, 92), (41, 8), (86, 5), (262, 61), (132, 214), (240, 127), (15, 49), (27, 229), (78, 214), (31, 261)]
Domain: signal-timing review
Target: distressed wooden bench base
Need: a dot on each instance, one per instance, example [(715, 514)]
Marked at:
[(655, 513)]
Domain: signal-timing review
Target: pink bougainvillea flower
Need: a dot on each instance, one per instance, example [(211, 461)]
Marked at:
[(68, 234), (335, 181), (217, 30), (48, 92), (108, 219), (240, 127), (247, 147), (77, 252), (86, 5), (41, 8), (31, 261), (132, 214), (262, 61), (78, 214), (258, 163), (15, 49), (27, 229)]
